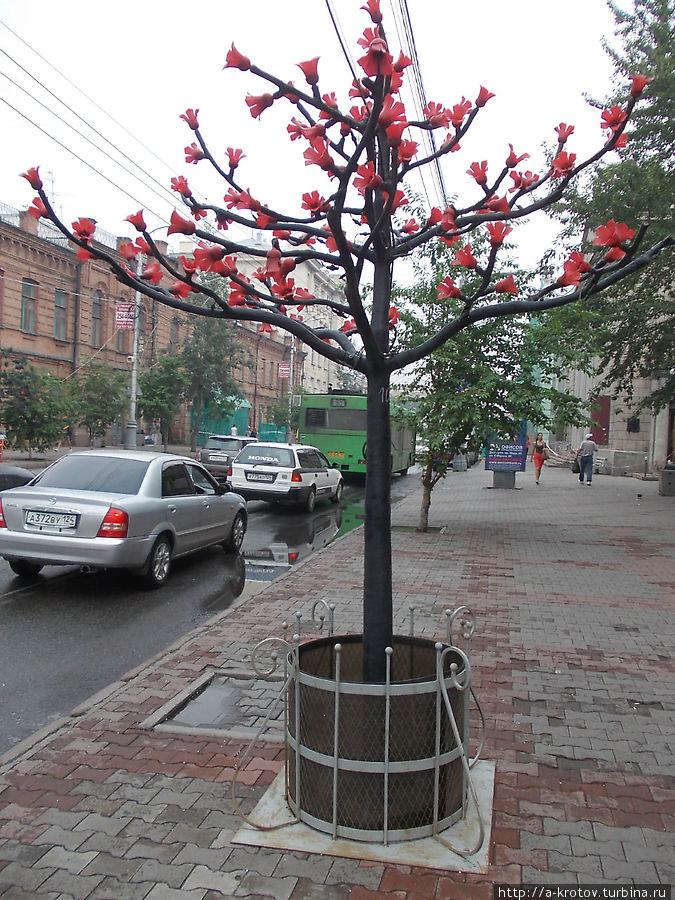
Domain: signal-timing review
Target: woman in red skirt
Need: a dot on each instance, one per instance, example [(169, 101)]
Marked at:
[(540, 452)]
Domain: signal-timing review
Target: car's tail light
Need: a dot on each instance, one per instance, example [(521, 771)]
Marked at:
[(296, 477), (229, 471), (3, 524), (115, 524), (292, 557)]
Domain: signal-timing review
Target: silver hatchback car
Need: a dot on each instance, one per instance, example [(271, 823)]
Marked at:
[(118, 509)]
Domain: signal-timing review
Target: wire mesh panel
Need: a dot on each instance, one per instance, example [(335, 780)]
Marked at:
[(395, 771)]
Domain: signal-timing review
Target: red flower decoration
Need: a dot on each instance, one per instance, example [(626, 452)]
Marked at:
[(180, 185), (459, 111), (236, 60), (410, 227), (265, 328), (612, 234), (436, 115), (523, 180), (564, 131), (257, 104), (193, 153), (478, 170), (506, 285), (152, 272), (447, 288), (367, 178), (84, 229), (317, 155), (407, 150), (180, 289), (512, 160), (179, 225), (613, 118), (372, 7), (498, 232), (313, 202), (234, 156), (137, 220), (638, 84), (614, 254), (393, 315), (128, 251), (498, 204), (32, 176), (310, 70), (190, 116), (464, 257), (483, 96), (573, 269), (38, 210), (378, 60), (563, 164), (392, 111)]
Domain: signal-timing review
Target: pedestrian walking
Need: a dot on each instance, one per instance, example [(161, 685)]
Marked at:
[(540, 453), (585, 456)]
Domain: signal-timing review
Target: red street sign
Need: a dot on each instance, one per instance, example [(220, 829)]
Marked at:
[(284, 370), (124, 316)]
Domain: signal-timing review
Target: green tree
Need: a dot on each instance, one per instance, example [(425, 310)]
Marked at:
[(163, 388), (209, 354), (633, 325), (34, 404), (486, 382), (100, 395)]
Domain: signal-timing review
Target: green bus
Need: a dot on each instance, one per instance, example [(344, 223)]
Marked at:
[(336, 425)]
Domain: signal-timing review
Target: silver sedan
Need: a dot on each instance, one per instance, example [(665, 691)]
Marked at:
[(118, 509)]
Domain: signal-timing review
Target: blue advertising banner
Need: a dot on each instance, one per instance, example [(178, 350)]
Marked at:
[(505, 456)]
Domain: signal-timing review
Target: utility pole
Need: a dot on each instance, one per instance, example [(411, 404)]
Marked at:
[(289, 433), (132, 424)]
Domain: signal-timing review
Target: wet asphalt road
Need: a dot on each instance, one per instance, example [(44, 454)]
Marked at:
[(68, 634)]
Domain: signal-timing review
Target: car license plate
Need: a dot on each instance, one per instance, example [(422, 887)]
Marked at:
[(55, 520), (259, 476)]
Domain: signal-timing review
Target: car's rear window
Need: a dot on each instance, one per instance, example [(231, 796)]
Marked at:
[(216, 443), (260, 455), (112, 475)]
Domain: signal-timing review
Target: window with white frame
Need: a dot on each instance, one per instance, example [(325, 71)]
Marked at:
[(29, 306)]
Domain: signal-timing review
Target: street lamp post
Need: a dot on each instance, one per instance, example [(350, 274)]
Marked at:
[(132, 424)]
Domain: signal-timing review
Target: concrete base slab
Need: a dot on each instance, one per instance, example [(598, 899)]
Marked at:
[(272, 810)]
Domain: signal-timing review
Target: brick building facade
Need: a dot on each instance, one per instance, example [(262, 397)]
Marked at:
[(58, 312)]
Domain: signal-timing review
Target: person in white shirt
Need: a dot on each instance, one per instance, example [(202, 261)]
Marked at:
[(585, 456)]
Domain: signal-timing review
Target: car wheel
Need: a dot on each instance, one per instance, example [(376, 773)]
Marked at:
[(24, 569), (337, 496), (310, 502), (159, 562), (236, 538)]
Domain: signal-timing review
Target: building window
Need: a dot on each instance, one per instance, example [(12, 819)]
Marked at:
[(60, 310), (174, 334), (97, 320), (28, 306)]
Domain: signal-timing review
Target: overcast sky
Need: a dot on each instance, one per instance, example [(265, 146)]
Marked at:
[(144, 63)]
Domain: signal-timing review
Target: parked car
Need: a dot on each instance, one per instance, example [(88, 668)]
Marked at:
[(296, 474), (118, 509), (219, 451), (14, 476)]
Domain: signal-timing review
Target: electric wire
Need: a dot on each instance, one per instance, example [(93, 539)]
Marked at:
[(85, 138)]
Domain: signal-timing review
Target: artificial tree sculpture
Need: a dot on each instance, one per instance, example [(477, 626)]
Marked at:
[(353, 218)]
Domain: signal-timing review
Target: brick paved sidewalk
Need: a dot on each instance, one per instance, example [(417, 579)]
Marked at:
[(573, 591)]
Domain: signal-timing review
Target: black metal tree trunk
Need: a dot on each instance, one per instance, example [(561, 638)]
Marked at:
[(377, 576)]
